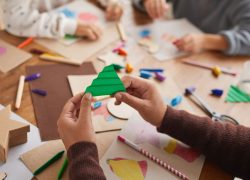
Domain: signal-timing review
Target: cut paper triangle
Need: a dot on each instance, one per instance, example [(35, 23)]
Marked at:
[(106, 83), (236, 95), (128, 169)]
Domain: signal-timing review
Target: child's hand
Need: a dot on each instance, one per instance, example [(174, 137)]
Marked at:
[(74, 123), (114, 12), (89, 31), (144, 97), (192, 43), (156, 8)]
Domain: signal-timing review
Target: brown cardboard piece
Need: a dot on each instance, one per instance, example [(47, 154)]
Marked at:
[(12, 133), (11, 56), (54, 81), (36, 157)]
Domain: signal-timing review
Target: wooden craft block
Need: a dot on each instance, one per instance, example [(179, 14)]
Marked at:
[(36, 157), (11, 133)]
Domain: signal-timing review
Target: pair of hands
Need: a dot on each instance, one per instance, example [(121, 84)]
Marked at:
[(75, 122), (91, 31)]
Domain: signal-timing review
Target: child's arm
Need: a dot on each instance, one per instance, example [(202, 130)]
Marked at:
[(77, 133), (114, 9), (225, 144), (23, 20)]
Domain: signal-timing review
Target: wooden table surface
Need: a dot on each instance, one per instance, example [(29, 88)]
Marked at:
[(183, 76)]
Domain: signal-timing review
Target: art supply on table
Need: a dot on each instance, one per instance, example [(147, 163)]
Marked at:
[(3, 175), (12, 133), (119, 46), (121, 31), (96, 105), (145, 33), (122, 111), (11, 56), (154, 70), (236, 95), (62, 170), (39, 92), (109, 130), (26, 42), (210, 67), (122, 52), (107, 83), (244, 81), (129, 68), (216, 71), (57, 58), (54, 80), (217, 92), (151, 46), (215, 116), (176, 101), (159, 76), (145, 74), (20, 92), (32, 77), (152, 157), (49, 162)]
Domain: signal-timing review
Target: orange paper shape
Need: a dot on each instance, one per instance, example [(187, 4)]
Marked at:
[(11, 133)]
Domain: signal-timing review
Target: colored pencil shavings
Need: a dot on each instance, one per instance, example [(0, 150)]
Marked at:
[(33, 77), (145, 74), (107, 83), (189, 90), (176, 101), (236, 95), (159, 76), (217, 92), (129, 68), (216, 71), (96, 105), (39, 92)]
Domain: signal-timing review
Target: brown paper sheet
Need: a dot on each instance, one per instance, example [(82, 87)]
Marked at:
[(11, 56), (54, 81), (36, 157)]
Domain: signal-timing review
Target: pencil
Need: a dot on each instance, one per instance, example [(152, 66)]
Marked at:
[(152, 157), (19, 92), (25, 43), (121, 31), (57, 58), (207, 66), (63, 168), (48, 163)]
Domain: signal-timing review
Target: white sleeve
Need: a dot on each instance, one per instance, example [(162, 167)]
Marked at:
[(23, 20)]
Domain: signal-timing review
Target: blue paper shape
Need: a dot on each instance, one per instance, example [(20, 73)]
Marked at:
[(68, 13), (176, 101)]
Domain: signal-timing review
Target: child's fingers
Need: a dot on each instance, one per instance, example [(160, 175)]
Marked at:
[(85, 109), (90, 34), (72, 104), (96, 30)]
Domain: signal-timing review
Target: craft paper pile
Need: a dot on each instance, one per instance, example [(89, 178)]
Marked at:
[(236, 95)]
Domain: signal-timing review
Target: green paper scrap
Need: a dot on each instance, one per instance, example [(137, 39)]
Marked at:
[(118, 67), (70, 37), (106, 83), (236, 95)]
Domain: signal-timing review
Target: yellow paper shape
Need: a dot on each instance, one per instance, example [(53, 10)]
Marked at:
[(126, 169), (170, 148)]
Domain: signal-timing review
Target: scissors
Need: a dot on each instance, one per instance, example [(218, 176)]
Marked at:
[(214, 115)]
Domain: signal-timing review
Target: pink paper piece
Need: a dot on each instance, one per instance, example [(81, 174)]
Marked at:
[(87, 17), (103, 111), (3, 50), (147, 134), (186, 153)]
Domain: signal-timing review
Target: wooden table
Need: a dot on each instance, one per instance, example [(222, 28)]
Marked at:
[(182, 74)]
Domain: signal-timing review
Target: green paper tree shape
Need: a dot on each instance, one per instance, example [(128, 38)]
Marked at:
[(106, 83), (236, 95)]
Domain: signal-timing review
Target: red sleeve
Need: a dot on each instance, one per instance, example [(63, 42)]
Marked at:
[(225, 144), (84, 163)]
